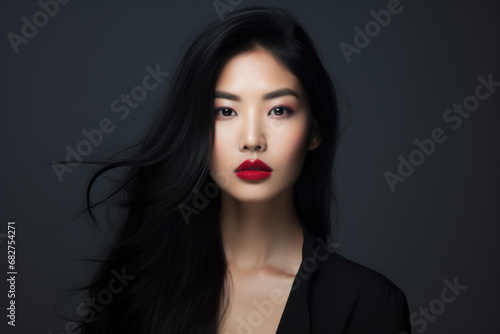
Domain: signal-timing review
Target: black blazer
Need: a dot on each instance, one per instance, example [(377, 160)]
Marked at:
[(334, 295)]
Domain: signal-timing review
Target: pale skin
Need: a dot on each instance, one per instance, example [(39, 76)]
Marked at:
[(261, 231)]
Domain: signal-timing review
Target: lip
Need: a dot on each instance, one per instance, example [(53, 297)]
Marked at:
[(253, 170)]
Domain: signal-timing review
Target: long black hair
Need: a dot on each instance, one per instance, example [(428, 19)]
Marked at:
[(168, 239)]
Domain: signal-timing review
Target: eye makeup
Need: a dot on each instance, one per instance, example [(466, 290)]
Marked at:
[(283, 109)]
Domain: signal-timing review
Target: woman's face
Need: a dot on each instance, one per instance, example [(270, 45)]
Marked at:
[(261, 113)]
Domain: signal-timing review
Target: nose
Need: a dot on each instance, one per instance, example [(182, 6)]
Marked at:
[(253, 136)]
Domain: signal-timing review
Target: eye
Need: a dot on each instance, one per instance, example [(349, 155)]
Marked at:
[(281, 111), (225, 112)]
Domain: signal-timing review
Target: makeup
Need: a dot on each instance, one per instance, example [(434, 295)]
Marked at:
[(253, 170)]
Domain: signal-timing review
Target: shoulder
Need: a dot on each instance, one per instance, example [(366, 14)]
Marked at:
[(359, 277), (363, 296)]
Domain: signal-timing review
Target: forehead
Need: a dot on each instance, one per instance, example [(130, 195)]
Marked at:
[(256, 70)]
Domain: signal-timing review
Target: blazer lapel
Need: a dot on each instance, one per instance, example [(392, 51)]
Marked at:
[(295, 318)]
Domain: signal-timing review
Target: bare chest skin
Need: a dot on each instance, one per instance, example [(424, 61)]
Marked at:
[(257, 299)]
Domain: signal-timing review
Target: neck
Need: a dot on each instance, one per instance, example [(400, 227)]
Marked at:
[(257, 234)]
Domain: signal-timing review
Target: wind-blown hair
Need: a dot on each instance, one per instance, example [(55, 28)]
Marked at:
[(178, 264)]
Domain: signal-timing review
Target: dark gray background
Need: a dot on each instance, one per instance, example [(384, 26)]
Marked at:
[(441, 223)]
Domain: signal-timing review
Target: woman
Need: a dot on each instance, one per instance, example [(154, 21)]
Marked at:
[(226, 225)]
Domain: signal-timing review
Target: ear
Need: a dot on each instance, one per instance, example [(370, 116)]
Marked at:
[(315, 140)]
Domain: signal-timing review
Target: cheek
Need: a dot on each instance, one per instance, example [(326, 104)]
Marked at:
[(221, 155), (217, 163), (217, 150), (223, 161), (290, 147)]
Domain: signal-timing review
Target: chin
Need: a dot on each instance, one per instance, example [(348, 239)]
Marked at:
[(251, 198), (249, 195)]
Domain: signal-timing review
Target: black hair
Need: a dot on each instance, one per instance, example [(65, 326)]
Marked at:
[(179, 266)]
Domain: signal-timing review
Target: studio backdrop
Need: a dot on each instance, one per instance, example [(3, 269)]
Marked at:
[(417, 168)]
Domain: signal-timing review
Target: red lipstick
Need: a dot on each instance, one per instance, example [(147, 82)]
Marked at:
[(253, 170)]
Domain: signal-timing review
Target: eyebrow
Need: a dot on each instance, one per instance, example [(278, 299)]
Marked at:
[(267, 96)]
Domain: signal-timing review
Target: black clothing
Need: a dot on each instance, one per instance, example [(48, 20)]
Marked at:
[(333, 295)]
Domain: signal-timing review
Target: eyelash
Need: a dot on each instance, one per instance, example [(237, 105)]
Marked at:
[(285, 109)]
